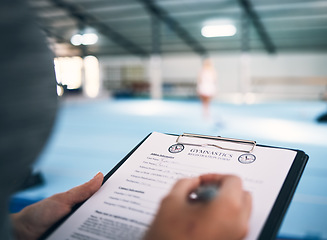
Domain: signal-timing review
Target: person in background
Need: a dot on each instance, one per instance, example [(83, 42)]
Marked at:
[(28, 109), (207, 85)]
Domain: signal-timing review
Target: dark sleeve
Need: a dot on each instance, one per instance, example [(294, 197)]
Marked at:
[(28, 98)]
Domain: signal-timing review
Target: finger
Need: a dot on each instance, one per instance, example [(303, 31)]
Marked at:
[(245, 215), (211, 178), (183, 187), (231, 188), (247, 203), (82, 192)]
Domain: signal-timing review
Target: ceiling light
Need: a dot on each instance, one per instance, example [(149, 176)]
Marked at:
[(89, 38), (85, 39), (76, 40), (218, 30)]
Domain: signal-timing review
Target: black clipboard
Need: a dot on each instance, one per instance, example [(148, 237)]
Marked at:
[(282, 202), (277, 213)]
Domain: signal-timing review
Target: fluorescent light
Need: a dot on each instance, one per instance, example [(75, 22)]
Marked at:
[(89, 38), (76, 40), (85, 39), (218, 30)]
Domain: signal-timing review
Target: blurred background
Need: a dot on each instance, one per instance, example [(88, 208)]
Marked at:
[(261, 49), (128, 68)]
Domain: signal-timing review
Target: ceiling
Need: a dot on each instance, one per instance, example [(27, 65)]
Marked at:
[(144, 27)]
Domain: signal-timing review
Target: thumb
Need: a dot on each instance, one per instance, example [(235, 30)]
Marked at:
[(184, 186), (80, 193)]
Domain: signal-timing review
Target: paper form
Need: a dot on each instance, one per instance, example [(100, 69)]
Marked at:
[(126, 204)]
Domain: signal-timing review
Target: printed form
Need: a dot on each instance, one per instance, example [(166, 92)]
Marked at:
[(126, 204)]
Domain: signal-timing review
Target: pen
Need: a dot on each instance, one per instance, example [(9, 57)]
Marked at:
[(204, 193)]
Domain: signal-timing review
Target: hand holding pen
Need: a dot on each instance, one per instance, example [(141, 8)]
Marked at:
[(210, 206)]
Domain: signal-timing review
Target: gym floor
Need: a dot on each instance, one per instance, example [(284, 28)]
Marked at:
[(91, 136)]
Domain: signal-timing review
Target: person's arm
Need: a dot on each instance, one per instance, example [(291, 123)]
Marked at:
[(33, 221), (225, 217)]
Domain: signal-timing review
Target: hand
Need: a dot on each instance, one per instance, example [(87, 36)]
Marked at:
[(36, 219), (224, 217)]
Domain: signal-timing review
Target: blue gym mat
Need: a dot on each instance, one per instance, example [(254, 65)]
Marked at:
[(92, 136)]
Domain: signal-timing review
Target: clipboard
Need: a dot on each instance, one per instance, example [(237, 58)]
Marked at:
[(273, 221), (251, 144), (277, 213)]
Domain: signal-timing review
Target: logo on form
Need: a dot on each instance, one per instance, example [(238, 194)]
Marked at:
[(176, 148), (246, 158)]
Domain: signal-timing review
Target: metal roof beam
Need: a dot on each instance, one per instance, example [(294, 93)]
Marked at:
[(52, 35), (156, 36), (175, 26), (266, 40), (86, 19)]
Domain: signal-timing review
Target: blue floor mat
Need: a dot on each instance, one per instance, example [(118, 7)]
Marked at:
[(94, 136)]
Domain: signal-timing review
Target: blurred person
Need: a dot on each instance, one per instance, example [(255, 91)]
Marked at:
[(28, 100), (206, 85), (28, 109)]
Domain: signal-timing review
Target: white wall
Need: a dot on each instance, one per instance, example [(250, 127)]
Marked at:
[(304, 75), (185, 68), (299, 65)]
